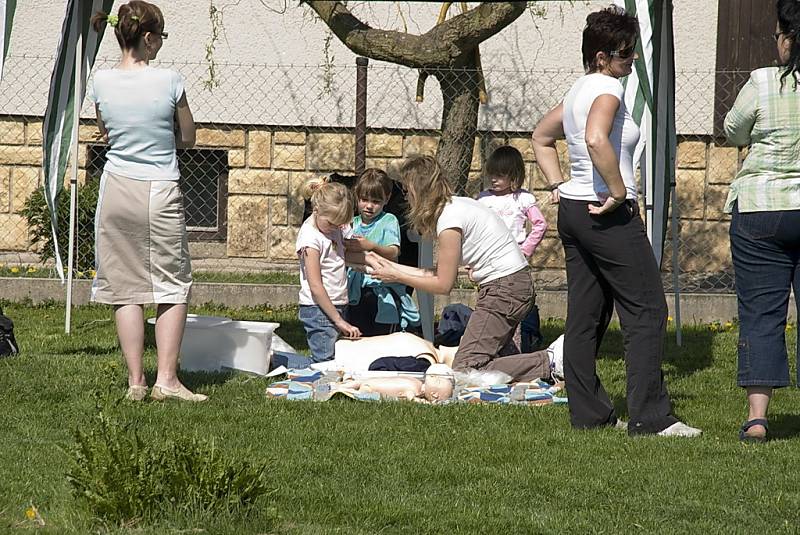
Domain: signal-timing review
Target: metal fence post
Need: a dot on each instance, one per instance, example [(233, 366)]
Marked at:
[(361, 114)]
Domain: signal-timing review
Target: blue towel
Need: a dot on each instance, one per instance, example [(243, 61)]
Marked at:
[(307, 385), (408, 315)]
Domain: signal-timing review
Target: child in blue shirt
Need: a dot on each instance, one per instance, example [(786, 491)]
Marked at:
[(375, 307)]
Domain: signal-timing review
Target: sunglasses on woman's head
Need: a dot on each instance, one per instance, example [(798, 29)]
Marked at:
[(625, 53)]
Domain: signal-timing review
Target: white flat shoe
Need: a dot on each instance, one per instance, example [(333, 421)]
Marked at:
[(680, 429), (160, 393)]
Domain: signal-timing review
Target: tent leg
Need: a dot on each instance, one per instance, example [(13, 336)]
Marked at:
[(73, 182), (676, 269)]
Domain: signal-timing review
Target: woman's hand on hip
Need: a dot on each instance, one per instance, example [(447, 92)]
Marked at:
[(608, 206)]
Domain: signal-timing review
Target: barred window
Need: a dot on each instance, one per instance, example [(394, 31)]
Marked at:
[(204, 183)]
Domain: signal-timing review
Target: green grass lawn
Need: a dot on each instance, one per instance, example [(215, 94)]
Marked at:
[(26, 271), (366, 468)]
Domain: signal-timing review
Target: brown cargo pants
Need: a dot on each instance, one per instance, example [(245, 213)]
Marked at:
[(501, 306)]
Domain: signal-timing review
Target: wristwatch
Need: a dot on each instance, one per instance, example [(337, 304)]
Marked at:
[(553, 187)]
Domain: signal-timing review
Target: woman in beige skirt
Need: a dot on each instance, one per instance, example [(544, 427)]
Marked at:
[(141, 246)]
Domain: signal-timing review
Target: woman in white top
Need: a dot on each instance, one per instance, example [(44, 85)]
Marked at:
[(470, 234), (142, 252), (608, 256)]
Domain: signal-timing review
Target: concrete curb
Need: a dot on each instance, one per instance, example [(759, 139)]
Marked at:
[(695, 308)]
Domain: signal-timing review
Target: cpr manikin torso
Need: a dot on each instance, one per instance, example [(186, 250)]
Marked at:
[(357, 355)]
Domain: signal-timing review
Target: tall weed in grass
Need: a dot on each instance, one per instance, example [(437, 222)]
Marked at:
[(125, 479)]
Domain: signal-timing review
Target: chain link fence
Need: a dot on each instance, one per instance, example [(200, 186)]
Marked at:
[(264, 129)]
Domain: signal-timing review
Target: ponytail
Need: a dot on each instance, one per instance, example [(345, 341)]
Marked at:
[(98, 19), (330, 199), (131, 22)]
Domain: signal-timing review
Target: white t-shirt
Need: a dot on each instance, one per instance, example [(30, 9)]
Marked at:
[(585, 182), (331, 259), (512, 209), (138, 109), (487, 245)]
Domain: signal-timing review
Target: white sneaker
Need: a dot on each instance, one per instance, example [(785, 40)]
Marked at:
[(680, 429), (556, 354)]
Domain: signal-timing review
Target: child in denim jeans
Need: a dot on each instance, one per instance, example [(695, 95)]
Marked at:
[(323, 277)]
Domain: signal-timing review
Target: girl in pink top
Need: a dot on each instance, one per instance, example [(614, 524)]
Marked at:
[(505, 169)]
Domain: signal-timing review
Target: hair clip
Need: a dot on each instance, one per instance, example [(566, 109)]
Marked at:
[(134, 17), (112, 20)]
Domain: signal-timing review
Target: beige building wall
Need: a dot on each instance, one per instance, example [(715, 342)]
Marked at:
[(271, 152)]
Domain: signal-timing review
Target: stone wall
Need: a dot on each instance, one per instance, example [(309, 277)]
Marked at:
[(20, 175), (267, 164)]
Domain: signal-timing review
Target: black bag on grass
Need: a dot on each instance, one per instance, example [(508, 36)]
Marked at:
[(8, 344)]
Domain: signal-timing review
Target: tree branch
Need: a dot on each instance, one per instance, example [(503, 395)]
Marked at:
[(446, 45)]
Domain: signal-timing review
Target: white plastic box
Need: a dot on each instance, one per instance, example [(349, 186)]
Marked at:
[(212, 343)]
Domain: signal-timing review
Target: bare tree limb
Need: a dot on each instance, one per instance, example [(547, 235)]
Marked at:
[(446, 45)]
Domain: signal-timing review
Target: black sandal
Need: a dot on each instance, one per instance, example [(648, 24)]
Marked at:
[(752, 439)]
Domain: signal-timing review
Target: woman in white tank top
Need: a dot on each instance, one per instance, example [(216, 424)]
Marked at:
[(608, 256)]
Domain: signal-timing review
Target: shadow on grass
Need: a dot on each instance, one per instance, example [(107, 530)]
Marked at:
[(695, 353), (194, 380), (784, 426), (104, 351)]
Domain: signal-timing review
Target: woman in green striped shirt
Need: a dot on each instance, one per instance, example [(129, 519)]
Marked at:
[(764, 201)]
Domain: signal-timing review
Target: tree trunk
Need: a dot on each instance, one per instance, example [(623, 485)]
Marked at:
[(459, 123)]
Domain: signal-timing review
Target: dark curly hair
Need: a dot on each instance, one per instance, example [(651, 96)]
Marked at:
[(607, 30), (789, 25)]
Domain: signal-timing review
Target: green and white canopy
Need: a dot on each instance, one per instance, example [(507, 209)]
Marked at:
[(650, 95)]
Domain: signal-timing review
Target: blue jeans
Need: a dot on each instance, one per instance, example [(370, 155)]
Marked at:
[(766, 260), (320, 331), (531, 333)]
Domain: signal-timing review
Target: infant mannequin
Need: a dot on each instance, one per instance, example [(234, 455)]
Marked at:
[(438, 386)]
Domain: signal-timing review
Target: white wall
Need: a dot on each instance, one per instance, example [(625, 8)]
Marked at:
[(256, 37)]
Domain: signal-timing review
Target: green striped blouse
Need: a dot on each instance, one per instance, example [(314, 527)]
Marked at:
[(768, 120)]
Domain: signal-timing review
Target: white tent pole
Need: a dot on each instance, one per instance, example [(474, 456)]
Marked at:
[(676, 268), (646, 168), (425, 299), (73, 182)]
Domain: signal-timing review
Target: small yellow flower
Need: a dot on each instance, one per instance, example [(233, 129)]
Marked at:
[(14, 269), (79, 273), (669, 318), (31, 270), (92, 273), (30, 512)]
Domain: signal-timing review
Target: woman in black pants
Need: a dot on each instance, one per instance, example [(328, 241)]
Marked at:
[(608, 255)]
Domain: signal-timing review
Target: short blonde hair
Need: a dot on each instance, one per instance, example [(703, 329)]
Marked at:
[(429, 191), (329, 199)]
